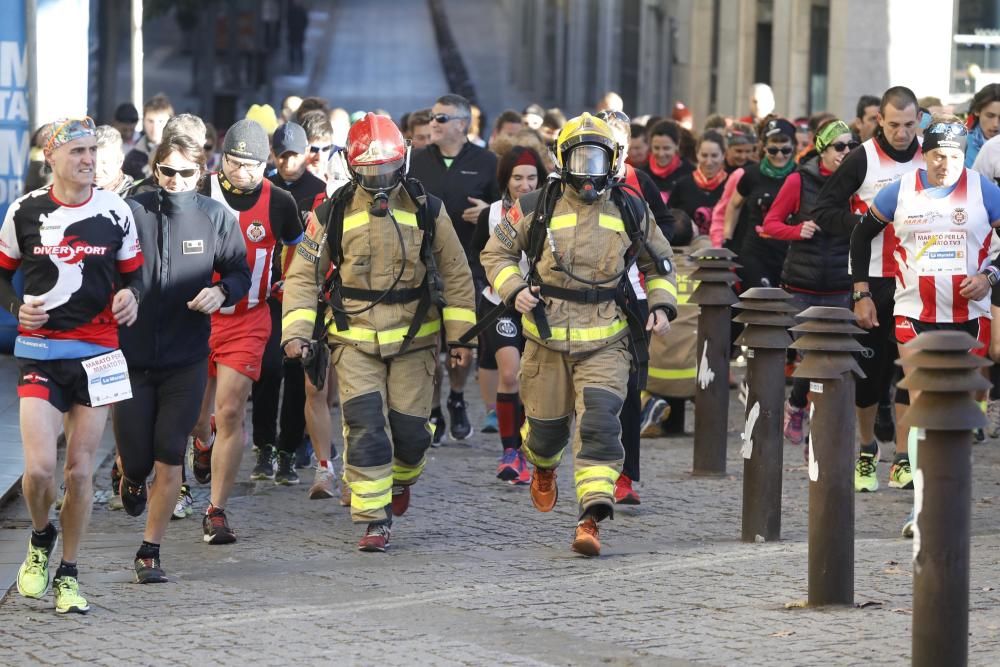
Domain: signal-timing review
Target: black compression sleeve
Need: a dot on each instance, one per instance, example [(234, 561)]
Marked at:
[(8, 295), (861, 245), (134, 281), (661, 213), (832, 211), (481, 232)]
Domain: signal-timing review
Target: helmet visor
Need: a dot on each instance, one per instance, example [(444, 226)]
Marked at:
[(378, 176), (588, 160)]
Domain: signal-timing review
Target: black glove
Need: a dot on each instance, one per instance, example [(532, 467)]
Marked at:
[(316, 363)]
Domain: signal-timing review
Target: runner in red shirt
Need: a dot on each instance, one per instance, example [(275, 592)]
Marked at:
[(266, 214)]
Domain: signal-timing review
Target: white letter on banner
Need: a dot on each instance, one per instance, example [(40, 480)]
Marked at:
[(13, 152), (13, 65)]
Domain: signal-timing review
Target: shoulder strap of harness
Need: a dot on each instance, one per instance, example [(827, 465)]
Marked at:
[(333, 230), (626, 297), (432, 288)]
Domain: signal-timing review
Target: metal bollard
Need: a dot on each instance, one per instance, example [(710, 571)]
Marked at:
[(945, 374), (829, 343), (714, 295), (767, 314)]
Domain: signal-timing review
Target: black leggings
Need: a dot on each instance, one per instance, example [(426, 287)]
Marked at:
[(267, 396), (154, 424), (878, 358)]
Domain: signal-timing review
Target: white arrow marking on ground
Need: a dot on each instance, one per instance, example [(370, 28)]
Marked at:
[(705, 374), (752, 416)]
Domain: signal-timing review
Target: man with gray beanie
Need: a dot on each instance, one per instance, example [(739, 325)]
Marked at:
[(240, 333)]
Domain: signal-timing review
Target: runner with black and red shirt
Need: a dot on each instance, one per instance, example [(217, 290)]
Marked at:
[(266, 214), (79, 252)]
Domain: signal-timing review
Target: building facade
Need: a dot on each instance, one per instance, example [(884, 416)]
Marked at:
[(817, 55)]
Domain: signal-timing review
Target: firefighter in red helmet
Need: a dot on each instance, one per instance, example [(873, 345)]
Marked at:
[(390, 273)]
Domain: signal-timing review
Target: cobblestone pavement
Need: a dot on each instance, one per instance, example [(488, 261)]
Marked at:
[(475, 576)]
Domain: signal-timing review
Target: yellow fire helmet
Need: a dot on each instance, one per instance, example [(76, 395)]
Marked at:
[(586, 154)]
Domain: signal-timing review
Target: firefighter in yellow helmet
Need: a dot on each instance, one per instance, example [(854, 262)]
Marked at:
[(581, 233), (398, 270)]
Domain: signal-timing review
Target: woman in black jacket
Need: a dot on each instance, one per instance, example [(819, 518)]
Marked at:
[(815, 268), (697, 193), (195, 263)]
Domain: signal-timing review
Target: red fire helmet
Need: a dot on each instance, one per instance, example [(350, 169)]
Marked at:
[(376, 152), (374, 140)]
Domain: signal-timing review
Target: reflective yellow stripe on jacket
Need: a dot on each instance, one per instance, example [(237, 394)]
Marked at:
[(611, 222), (386, 337), (361, 218), (300, 315), (663, 284), (504, 275), (579, 335), (673, 373), (459, 315)]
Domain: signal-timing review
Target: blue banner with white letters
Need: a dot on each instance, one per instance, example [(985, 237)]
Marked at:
[(15, 128)]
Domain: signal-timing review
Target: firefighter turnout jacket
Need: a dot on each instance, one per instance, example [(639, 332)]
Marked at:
[(591, 240), (373, 257)]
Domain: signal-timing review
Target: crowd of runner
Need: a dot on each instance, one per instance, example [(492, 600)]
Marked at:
[(308, 258)]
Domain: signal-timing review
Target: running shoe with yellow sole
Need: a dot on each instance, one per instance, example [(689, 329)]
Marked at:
[(865, 477), (33, 575), (68, 598)]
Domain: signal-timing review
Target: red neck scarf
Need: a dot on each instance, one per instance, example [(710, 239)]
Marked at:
[(663, 172), (709, 184)]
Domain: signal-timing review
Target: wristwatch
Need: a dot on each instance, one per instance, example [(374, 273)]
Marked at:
[(992, 274), (857, 296)]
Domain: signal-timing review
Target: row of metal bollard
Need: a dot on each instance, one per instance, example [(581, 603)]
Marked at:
[(941, 376)]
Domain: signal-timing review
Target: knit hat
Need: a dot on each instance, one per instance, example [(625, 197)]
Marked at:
[(247, 140), (289, 138), (264, 114)]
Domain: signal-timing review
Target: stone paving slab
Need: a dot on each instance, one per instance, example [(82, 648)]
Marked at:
[(476, 576)]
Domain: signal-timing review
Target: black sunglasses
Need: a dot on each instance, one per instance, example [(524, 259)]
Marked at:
[(840, 146), (443, 118), (784, 150), (170, 172), (320, 149)]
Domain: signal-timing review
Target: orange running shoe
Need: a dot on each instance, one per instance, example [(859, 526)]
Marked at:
[(588, 540), (544, 491)]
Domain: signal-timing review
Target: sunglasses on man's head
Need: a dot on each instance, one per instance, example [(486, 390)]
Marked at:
[(443, 118), (170, 172), (784, 150), (840, 146)]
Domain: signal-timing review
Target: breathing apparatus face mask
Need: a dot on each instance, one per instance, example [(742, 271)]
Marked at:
[(587, 170), (379, 179)]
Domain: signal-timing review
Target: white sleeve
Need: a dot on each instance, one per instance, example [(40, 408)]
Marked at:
[(987, 162), (10, 250)]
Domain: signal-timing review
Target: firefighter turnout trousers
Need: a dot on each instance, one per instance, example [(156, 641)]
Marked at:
[(385, 404), (554, 386)]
